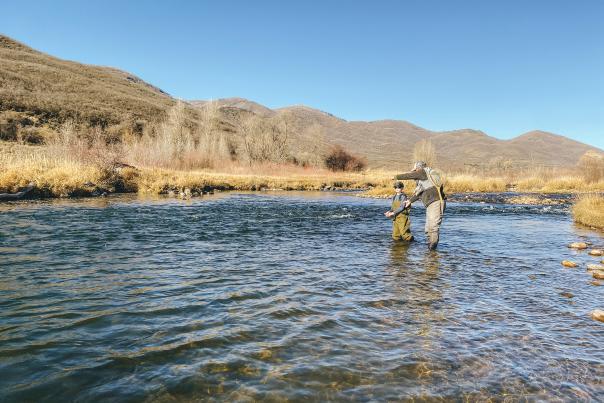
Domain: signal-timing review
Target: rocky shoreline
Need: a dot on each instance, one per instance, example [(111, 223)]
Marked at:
[(89, 189), (519, 198)]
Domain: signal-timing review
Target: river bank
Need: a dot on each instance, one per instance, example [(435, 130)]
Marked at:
[(60, 174)]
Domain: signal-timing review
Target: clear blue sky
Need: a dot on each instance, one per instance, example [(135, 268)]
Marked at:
[(504, 67)]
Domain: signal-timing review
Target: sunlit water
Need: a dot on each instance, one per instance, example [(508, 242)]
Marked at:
[(292, 296)]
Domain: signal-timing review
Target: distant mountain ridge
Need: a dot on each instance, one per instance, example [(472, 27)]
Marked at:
[(389, 143), (39, 91)]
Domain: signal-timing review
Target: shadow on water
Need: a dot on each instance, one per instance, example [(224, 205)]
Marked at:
[(292, 297)]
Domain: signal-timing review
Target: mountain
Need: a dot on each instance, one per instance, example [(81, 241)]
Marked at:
[(39, 92), (389, 143), (46, 91)]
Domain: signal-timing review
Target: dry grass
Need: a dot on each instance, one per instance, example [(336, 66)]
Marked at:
[(589, 210), (64, 172), (64, 167), (58, 176)]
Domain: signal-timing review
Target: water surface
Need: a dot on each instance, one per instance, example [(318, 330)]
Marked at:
[(294, 296)]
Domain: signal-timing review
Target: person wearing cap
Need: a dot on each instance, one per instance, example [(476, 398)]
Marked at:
[(430, 189), (399, 214)]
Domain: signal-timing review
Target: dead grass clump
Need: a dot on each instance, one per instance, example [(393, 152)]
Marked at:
[(589, 210), (470, 183)]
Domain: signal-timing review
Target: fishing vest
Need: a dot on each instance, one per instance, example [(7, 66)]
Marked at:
[(433, 180), (423, 185)]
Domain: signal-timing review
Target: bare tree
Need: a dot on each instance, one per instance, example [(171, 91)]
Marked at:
[(424, 151), (591, 166), (264, 140), (316, 151)]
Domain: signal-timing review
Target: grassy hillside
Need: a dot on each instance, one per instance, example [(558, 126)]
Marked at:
[(39, 92)]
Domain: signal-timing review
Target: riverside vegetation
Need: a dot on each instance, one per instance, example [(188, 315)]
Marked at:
[(192, 154)]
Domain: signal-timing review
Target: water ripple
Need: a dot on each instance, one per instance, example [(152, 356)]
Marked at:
[(292, 297)]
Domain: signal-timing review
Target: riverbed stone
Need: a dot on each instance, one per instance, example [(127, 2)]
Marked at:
[(568, 263), (598, 314), (567, 294), (598, 275), (595, 267), (578, 245), (596, 283), (596, 252)]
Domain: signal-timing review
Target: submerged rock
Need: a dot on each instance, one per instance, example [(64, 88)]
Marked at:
[(598, 314), (595, 267), (578, 245), (596, 283), (568, 263), (599, 275), (567, 294), (596, 252)]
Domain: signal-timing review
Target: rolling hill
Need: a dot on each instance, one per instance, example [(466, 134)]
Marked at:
[(44, 91), (389, 143), (40, 92)]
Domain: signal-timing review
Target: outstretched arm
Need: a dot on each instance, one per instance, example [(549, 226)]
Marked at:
[(417, 174)]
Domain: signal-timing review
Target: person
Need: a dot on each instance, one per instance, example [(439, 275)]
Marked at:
[(429, 188), (399, 214)]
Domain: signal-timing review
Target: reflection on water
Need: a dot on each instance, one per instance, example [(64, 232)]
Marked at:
[(291, 296)]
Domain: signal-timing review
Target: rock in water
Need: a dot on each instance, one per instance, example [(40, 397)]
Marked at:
[(596, 252), (595, 267), (567, 294), (568, 263), (598, 314), (598, 275), (578, 245), (596, 283)]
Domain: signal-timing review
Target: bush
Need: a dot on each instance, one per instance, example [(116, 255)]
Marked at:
[(338, 159), (589, 210), (591, 165), (31, 135)]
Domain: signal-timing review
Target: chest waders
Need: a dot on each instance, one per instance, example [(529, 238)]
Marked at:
[(401, 225), (434, 214)]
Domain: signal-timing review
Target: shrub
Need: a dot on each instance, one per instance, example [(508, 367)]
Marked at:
[(31, 135), (591, 165), (338, 159)]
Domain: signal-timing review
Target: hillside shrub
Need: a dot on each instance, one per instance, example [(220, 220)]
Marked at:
[(338, 159)]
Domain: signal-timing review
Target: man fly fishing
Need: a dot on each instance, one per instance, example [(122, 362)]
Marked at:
[(429, 187)]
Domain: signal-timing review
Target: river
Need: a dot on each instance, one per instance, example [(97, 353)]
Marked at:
[(299, 296)]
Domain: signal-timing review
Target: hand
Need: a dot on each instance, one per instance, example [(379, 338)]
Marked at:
[(388, 214), (407, 204)]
